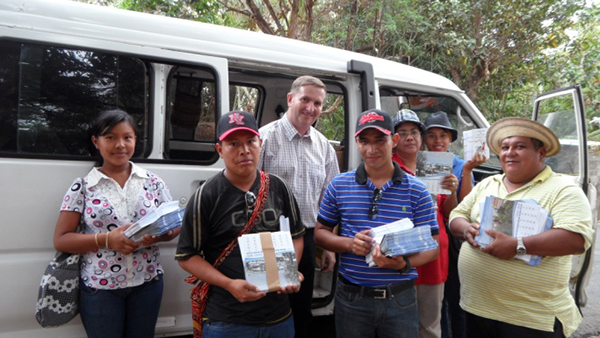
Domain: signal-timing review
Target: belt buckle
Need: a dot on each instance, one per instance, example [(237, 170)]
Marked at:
[(383, 294)]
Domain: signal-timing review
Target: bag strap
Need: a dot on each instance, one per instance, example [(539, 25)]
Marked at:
[(263, 193)]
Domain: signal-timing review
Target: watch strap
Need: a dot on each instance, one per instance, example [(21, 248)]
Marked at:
[(407, 267)]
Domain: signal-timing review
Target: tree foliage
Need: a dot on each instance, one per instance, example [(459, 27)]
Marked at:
[(502, 53)]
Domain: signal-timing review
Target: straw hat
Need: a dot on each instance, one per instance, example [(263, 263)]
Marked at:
[(518, 126)]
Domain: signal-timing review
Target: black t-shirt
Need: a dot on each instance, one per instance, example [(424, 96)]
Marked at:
[(223, 214)]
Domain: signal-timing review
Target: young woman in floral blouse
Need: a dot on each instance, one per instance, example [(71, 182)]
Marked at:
[(121, 280)]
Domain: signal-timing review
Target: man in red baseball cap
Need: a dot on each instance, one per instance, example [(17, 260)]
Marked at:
[(240, 199), (374, 301)]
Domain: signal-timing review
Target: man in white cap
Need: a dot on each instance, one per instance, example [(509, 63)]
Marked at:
[(374, 301), (505, 297)]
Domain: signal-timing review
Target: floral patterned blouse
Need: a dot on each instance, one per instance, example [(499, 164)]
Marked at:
[(104, 206)]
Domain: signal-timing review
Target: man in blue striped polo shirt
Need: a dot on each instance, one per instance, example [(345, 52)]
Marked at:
[(377, 300)]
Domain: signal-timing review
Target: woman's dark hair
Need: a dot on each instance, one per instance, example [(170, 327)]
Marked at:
[(104, 123)]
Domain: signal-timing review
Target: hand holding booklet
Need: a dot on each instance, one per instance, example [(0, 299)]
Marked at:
[(401, 238), (520, 218), (168, 216)]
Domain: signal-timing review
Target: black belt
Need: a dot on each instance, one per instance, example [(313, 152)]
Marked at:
[(382, 292)]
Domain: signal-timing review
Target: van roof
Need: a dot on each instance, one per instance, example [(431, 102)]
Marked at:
[(239, 46)]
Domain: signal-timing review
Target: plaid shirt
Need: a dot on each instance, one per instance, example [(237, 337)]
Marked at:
[(306, 163)]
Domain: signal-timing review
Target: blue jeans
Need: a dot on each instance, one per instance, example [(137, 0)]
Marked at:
[(365, 317), (284, 329), (129, 313)]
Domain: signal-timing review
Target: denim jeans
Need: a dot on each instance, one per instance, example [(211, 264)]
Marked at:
[(128, 313), (365, 317), (284, 329)]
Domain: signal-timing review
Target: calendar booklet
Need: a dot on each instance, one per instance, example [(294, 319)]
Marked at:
[(520, 218), (269, 260), (432, 167), (475, 142)]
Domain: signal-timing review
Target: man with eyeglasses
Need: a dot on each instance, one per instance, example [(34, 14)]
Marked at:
[(215, 217), (374, 301)]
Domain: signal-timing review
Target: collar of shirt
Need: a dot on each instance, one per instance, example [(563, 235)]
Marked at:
[(290, 131), (361, 174), (96, 175), (545, 174), (398, 160)]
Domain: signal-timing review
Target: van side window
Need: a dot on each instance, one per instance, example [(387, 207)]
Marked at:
[(332, 123), (49, 95), (244, 97), (192, 112), (394, 99)]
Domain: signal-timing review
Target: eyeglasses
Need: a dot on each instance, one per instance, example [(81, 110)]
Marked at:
[(374, 209), (413, 133)]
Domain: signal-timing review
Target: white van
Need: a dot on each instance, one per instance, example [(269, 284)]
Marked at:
[(62, 62)]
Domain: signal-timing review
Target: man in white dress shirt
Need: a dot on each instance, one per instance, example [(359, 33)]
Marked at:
[(297, 152)]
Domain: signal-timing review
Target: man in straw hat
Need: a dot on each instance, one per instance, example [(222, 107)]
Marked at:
[(505, 297), (374, 301)]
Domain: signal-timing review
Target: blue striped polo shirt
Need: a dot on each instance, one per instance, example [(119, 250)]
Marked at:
[(347, 201)]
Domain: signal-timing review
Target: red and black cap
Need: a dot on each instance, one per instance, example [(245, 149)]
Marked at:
[(374, 118), (234, 121)]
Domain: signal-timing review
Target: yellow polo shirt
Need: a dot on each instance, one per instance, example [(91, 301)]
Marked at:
[(511, 291)]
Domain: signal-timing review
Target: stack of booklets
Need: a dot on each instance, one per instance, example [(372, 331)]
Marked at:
[(168, 216), (519, 218), (401, 238), (269, 259), (408, 242)]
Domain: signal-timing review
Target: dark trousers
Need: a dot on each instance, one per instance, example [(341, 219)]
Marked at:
[(301, 302), (479, 327), (453, 316)]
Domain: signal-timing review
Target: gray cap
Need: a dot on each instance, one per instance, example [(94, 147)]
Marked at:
[(440, 120), (407, 115)]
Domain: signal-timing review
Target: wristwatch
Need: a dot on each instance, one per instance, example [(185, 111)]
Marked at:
[(407, 267), (521, 250)]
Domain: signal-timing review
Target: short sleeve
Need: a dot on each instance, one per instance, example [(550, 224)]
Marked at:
[(331, 166), (567, 217), (328, 211), (74, 197), (468, 207), (425, 213), (189, 243)]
